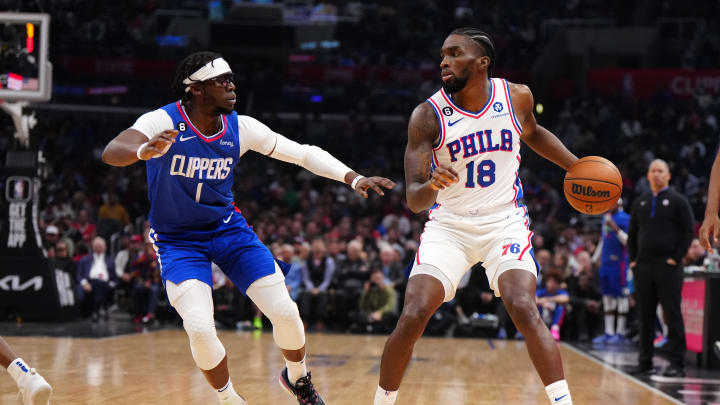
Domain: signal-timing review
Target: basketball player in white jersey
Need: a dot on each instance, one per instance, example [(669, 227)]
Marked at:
[(32, 386), (462, 162)]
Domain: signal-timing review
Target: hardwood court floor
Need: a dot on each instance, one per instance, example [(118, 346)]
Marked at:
[(157, 368)]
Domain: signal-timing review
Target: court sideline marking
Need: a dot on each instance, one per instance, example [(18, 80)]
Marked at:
[(622, 373)]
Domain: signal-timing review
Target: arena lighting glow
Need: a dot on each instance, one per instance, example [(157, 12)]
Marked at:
[(30, 42)]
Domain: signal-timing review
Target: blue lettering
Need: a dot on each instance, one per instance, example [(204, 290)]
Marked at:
[(454, 149), (506, 140), (490, 146), (468, 142), (481, 142)]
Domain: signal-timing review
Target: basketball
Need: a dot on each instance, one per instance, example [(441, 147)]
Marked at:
[(593, 185)]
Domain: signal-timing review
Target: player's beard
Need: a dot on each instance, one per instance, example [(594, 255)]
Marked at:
[(454, 85)]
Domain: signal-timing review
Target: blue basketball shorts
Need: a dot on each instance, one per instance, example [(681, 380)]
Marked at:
[(232, 245), (613, 280)]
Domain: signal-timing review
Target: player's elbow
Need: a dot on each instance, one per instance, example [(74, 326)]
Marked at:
[(415, 206), (107, 156)]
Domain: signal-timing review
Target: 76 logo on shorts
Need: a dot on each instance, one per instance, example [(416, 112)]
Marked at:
[(510, 246)]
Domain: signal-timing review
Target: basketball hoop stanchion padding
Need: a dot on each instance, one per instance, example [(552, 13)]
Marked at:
[(30, 287)]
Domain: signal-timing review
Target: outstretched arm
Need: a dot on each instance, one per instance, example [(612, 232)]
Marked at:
[(258, 137), (422, 187), (542, 141), (711, 224)]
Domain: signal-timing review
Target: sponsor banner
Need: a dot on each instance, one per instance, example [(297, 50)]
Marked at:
[(647, 82), (693, 311), (35, 290)]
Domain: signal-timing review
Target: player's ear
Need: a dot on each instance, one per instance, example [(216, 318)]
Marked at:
[(196, 89), (483, 62)]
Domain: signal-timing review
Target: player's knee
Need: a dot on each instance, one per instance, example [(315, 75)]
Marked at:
[(522, 308), (199, 326), (285, 310), (206, 348), (415, 316), (288, 329)]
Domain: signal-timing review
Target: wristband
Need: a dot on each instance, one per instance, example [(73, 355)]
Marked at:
[(140, 149), (355, 181)]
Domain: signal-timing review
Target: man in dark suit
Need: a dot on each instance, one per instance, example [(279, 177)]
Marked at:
[(96, 274), (660, 232)]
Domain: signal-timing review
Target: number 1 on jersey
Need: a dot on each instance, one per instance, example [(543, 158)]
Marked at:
[(198, 192), (485, 176)]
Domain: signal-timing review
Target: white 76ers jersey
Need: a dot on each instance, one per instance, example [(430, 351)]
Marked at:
[(483, 148)]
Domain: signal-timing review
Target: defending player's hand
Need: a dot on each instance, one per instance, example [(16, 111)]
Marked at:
[(710, 226), (158, 144), (443, 176), (376, 183)]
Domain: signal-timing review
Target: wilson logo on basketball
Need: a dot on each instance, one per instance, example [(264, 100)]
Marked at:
[(588, 191)]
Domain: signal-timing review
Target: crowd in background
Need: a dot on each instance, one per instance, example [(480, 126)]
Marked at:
[(350, 256)]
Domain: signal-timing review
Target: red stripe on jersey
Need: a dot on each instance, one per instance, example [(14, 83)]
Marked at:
[(468, 113), (203, 137)]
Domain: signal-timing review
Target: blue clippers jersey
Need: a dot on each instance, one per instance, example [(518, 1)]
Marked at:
[(614, 253), (190, 186)]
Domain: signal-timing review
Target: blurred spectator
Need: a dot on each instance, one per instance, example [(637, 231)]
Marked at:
[(293, 278), (85, 228), (130, 249), (63, 261), (695, 255), (378, 304), (350, 276), (392, 270), (112, 216), (474, 295), (551, 302), (51, 235), (317, 276), (146, 284), (96, 273), (585, 315)]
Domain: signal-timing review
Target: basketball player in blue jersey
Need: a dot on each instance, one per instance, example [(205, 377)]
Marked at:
[(191, 148), (461, 162), (614, 267)]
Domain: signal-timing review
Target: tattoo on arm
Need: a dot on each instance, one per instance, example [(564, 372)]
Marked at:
[(423, 129)]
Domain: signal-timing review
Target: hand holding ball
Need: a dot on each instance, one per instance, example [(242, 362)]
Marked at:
[(593, 185)]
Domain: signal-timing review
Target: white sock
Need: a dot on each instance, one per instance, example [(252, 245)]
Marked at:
[(621, 324), (559, 393), (610, 324), (18, 368), (296, 370), (227, 391), (383, 397)]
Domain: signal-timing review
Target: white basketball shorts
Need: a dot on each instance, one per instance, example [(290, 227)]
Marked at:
[(454, 243)]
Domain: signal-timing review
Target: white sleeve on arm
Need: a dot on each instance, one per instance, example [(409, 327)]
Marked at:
[(152, 123), (258, 137), (254, 135)]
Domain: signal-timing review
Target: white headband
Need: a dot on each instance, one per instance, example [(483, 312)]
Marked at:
[(214, 68)]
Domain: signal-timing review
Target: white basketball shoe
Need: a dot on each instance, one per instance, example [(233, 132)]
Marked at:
[(34, 389)]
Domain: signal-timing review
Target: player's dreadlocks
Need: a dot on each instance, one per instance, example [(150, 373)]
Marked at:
[(187, 67), (481, 38)]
